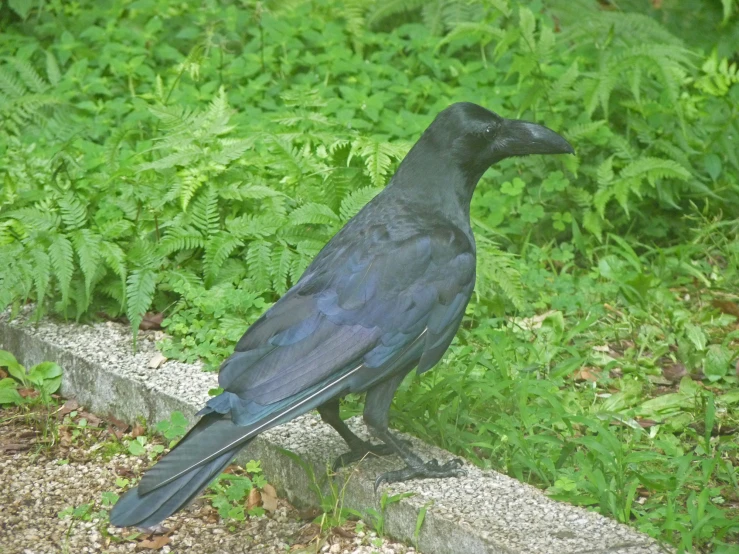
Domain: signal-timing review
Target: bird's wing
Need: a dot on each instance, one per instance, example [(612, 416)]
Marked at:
[(356, 307), (355, 318)]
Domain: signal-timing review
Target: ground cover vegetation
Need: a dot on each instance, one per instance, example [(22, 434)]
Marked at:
[(190, 159), (105, 455)]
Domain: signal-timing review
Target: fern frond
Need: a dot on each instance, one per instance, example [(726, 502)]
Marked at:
[(74, 214), (580, 197), (61, 255), (604, 173), (34, 219), (652, 169), (174, 118), (247, 191), (87, 245), (230, 150), (205, 214), (259, 262), (41, 276), (356, 200), (186, 155), (498, 271), (190, 183), (115, 259), (178, 238), (250, 227), (29, 77), (593, 222), (214, 122), (378, 156), (53, 73), (313, 213), (217, 249), (282, 263), (140, 288), (389, 8)]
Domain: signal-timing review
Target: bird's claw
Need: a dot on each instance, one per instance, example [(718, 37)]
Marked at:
[(359, 454), (430, 470)]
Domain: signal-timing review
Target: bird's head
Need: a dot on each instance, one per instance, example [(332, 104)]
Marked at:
[(477, 138)]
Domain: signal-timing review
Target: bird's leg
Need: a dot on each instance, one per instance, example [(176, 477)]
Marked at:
[(376, 416), (358, 448)]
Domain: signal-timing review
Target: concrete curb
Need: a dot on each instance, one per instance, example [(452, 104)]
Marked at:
[(484, 512)]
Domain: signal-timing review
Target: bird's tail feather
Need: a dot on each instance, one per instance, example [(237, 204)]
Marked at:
[(158, 495)]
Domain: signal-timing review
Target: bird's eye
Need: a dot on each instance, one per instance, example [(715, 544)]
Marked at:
[(489, 132)]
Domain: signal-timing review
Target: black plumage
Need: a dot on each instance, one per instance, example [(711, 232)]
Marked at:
[(384, 296)]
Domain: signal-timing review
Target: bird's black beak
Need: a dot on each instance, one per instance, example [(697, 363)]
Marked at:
[(523, 138)]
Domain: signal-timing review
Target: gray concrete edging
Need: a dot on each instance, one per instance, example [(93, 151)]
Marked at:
[(484, 512)]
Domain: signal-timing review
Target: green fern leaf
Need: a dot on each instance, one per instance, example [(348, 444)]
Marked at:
[(181, 238), (388, 8), (41, 276), (35, 219), (250, 227), (378, 157), (282, 262), (61, 254), (356, 200), (247, 191), (314, 214), (185, 156), (259, 262), (74, 214), (651, 169), (87, 245), (205, 213), (593, 222), (29, 76), (140, 288), (191, 182), (604, 174), (52, 69), (230, 149), (218, 247)]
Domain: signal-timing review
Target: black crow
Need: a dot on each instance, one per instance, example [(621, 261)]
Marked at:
[(384, 296)]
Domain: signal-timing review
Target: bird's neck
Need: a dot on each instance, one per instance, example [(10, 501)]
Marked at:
[(435, 184)]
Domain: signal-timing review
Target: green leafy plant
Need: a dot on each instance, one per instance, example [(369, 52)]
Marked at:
[(46, 378), (229, 493), (196, 164)]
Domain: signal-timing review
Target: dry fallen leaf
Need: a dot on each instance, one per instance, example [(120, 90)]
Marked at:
[(117, 423), (151, 321), (269, 498), (137, 430), (587, 374), (343, 532), (233, 469), (69, 406), (254, 499), (674, 372), (154, 543), (65, 436), (535, 322), (727, 307), (157, 361)]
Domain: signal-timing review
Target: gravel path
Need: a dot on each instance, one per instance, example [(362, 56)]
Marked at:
[(37, 481)]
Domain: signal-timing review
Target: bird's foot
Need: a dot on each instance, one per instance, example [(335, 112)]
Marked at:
[(429, 470), (362, 452)]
